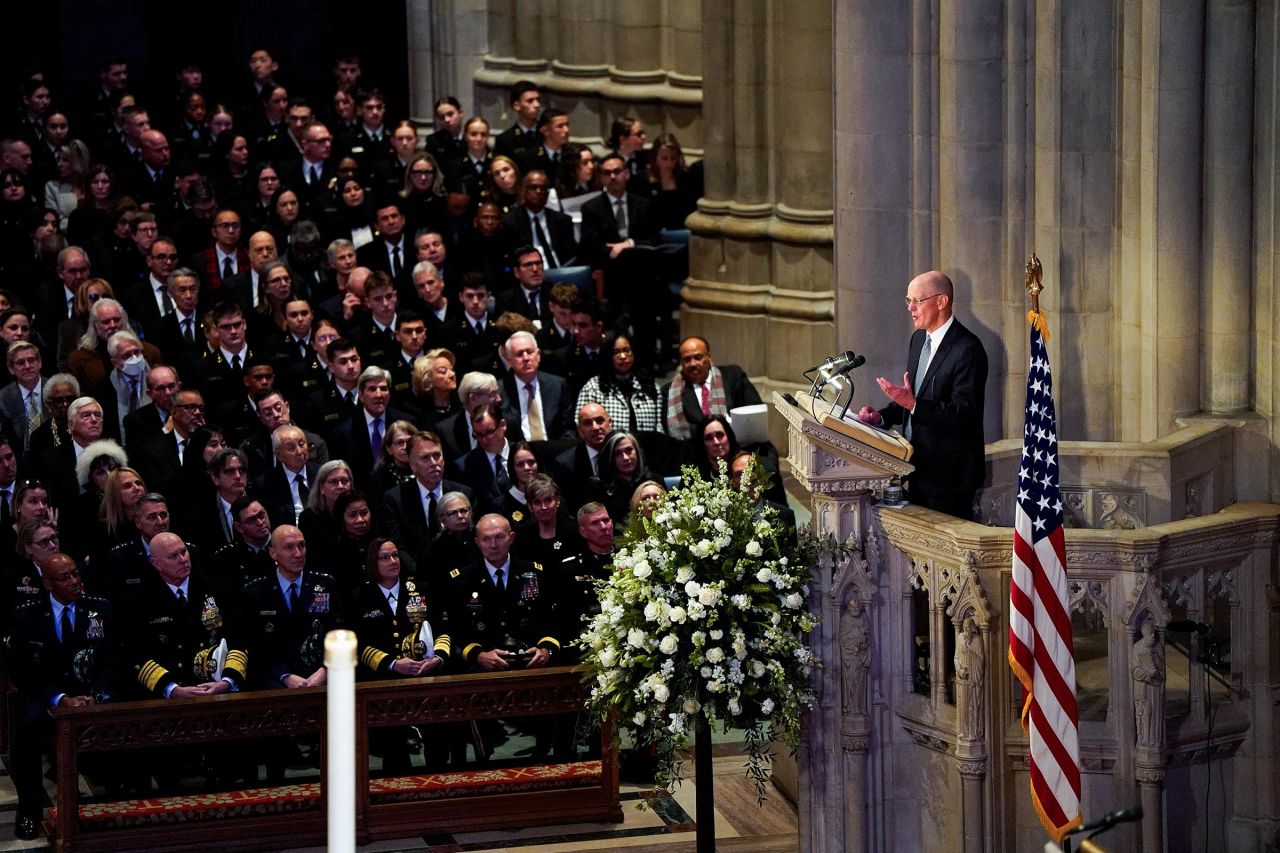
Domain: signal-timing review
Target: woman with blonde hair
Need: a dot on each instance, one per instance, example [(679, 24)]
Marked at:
[(435, 386)]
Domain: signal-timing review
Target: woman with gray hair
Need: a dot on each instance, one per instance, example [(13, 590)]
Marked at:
[(58, 392), (317, 521), (454, 547)]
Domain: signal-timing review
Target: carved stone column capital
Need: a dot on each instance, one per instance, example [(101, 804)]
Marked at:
[(1149, 775), (972, 769)]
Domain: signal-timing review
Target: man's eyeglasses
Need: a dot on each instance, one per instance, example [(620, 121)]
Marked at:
[(911, 303)]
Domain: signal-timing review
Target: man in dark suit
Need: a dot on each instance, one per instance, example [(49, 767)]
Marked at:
[(22, 400), (64, 651), (358, 439), (221, 372), (484, 468), (243, 287), (410, 510), (538, 401), (939, 404), (575, 466), (526, 103), (283, 488), (180, 336), (702, 389), (532, 295), (162, 455), (309, 175), (390, 252), (151, 182), (148, 301), (274, 411), (147, 421), (534, 224)]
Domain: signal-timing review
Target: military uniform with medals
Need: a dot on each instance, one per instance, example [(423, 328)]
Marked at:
[(86, 663), (290, 641), (386, 636), (520, 618), (172, 643), (580, 601)]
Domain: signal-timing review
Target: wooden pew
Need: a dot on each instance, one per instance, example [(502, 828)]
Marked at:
[(294, 815)]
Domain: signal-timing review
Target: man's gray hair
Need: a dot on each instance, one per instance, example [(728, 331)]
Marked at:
[(79, 403), (476, 382), (370, 374), (425, 267), (119, 339)]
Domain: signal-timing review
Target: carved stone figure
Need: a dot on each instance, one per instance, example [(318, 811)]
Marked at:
[(1116, 517), (971, 674), (855, 655), (1148, 693)]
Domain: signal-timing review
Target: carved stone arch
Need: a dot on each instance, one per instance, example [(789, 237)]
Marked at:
[(968, 598), (1222, 584), (853, 578), (918, 577), (1146, 600), (1085, 593)]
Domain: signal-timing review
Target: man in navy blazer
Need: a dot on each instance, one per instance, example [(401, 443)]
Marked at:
[(939, 404), (551, 418), (410, 513), (354, 437)]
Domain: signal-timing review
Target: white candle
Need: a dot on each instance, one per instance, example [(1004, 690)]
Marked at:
[(340, 659)]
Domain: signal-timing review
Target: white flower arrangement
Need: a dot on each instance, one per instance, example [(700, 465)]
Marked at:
[(704, 616)]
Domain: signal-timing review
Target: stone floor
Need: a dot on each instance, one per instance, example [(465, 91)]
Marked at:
[(741, 825)]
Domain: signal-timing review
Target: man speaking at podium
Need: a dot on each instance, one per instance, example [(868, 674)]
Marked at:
[(938, 406)]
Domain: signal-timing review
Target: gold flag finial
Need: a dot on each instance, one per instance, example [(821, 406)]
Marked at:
[(1035, 274)]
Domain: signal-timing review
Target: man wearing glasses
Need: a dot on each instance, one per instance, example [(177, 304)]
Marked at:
[(222, 260), (938, 406), (222, 369), (534, 224)]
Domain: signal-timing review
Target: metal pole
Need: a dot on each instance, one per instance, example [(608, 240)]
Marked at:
[(705, 794), (340, 659)]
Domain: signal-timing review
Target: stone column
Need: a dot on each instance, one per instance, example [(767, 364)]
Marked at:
[(884, 197), (1227, 300), (973, 774), (422, 76), (1151, 797)]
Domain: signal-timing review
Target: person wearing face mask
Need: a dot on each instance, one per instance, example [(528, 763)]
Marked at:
[(126, 389)]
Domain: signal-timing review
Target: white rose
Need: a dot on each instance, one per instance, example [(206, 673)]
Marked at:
[(669, 644), (691, 706), (636, 638), (642, 569), (691, 589), (708, 596), (661, 693), (608, 656), (735, 707), (794, 600), (677, 614), (754, 549), (764, 575), (651, 611), (757, 669), (715, 654), (767, 706), (696, 611), (716, 633), (720, 524), (640, 717)]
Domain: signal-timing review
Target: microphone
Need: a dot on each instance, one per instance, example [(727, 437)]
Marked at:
[(838, 365), (1188, 626)]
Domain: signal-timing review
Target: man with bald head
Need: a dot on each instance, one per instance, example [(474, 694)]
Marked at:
[(151, 181), (64, 650), (938, 406), (243, 286), (291, 610), (175, 626), (575, 466)]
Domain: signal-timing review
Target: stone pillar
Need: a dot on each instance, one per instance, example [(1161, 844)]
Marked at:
[(422, 76), (884, 200), (857, 829), (1227, 301), (1151, 797), (973, 774)]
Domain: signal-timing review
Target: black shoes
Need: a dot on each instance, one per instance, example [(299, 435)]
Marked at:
[(26, 826)]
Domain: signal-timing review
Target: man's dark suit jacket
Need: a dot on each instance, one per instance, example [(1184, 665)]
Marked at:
[(474, 469), (140, 425), (404, 520), (553, 393), (375, 256), (158, 462), (946, 427), (276, 495), (515, 299), (14, 410), (351, 442), (455, 438), (738, 391), (600, 226), (558, 227)]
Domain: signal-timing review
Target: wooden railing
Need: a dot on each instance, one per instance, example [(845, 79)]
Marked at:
[(168, 726)]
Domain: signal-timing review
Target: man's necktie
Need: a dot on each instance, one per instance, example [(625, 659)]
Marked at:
[(182, 450), (433, 521), (544, 242), (620, 213), (235, 362), (293, 597), (315, 176), (375, 440), (228, 532), (706, 401), (922, 368), (166, 304), (500, 472), (395, 261), (182, 598), (537, 431), (66, 629), (302, 349), (188, 333), (497, 580), (228, 268), (301, 481), (133, 393), (6, 509), (34, 415), (391, 601)]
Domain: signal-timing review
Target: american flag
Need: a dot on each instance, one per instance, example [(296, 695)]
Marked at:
[(1040, 649)]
